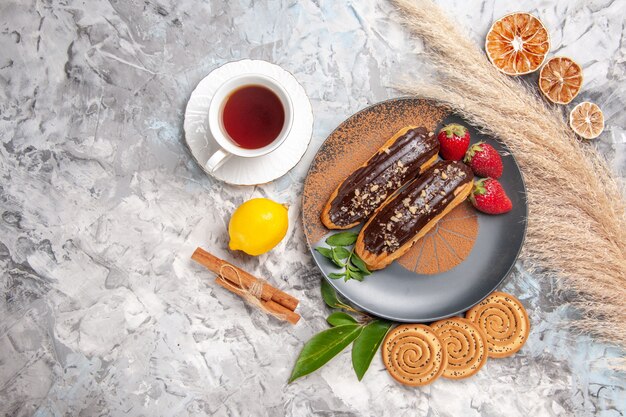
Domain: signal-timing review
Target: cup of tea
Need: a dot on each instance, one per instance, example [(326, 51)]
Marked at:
[(249, 115)]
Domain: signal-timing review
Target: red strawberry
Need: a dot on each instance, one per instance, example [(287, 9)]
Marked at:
[(454, 140), (489, 197), (484, 160)]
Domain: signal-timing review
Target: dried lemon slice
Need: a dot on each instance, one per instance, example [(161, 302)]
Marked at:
[(587, 120), (560, 79), (517, 43)]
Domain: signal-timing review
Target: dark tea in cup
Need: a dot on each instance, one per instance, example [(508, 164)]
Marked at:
[(253, 116), (250, 115)]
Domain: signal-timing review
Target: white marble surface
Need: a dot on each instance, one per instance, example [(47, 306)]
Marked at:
[(103, 314)]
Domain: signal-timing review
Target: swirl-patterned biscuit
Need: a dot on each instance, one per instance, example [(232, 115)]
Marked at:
[(504, 321), (465, 345), (413, 354)]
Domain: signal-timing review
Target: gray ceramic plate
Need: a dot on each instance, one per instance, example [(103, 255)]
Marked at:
[(395, 292)]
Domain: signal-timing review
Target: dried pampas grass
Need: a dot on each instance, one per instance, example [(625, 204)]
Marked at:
[(577, 220)]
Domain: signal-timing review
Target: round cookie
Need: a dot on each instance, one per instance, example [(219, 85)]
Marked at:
[(413, 354), (465, 345), (504, 322)]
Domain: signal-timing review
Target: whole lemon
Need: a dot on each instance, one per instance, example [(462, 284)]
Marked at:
[(257, 226)]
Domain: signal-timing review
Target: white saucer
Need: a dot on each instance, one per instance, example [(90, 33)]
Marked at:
[(248, 171)]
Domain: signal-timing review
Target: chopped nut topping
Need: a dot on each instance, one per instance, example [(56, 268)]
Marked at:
[(406, 202), (364, 196), (436, 171), (387, 151), (398, 215), (423, 193), (430, 134), (389, 184), (442, 192), (352, 213), (391, 241), (344, 209), (444, 176), (389, 226), (400, 164), (374, 188), (427, 207), (395, 219), (413, 209), (357, 192)]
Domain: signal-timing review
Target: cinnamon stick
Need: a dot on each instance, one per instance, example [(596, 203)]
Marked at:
[(269, 293), (281, 311)]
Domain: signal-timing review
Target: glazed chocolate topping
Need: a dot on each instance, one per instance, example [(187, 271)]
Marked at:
[(368, 187), (422, 200)]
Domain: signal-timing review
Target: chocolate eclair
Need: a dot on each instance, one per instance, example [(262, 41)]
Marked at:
[(410, 214), (404, 156)]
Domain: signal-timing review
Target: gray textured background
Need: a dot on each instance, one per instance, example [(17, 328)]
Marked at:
[(102, 312)]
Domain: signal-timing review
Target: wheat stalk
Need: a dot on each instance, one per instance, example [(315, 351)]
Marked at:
[(577, 217)]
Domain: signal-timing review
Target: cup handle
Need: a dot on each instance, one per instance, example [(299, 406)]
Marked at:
[(216, 160)]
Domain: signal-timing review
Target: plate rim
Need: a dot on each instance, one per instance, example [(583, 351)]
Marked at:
[(432, 319)]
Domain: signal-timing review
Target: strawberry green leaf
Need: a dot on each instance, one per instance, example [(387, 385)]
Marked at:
[(471, 151), (323, 347), (454, 129), (479, 187)]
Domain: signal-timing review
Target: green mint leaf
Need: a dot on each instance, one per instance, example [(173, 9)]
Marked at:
[(356, 275), (366, 345), (323, 347), (330, 295), (336, 260), (325, 252), (342, 239), (331, 298), (358, 262), (347, 275), (339, 318), (338, 263), (335, 275), (341, 253)]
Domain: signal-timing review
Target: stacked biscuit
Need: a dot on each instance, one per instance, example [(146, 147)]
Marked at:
[(455, 348)]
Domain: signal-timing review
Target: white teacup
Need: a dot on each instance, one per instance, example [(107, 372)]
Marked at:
[(216, 124)]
